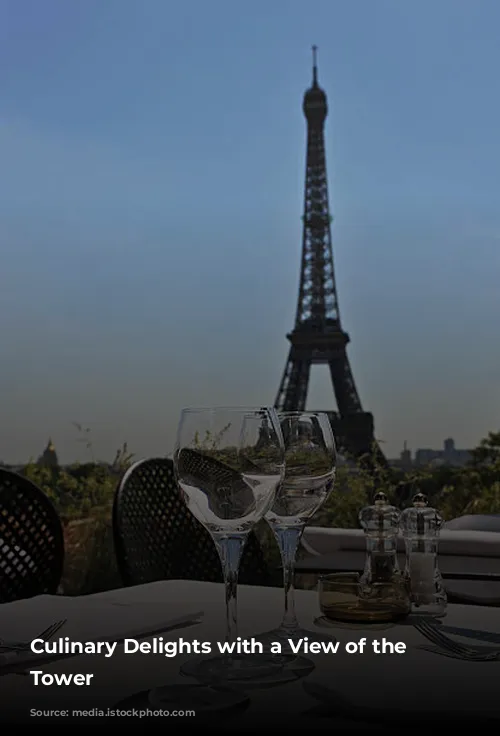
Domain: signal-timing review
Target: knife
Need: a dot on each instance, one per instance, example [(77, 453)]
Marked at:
[(488, 636)]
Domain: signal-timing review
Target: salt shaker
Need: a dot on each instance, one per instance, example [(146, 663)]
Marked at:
[(420, 525), (380, 523)]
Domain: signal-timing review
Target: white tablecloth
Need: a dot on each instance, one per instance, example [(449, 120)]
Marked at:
[(382, 680)]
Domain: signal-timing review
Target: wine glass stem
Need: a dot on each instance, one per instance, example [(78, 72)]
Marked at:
[(288, 539), (230, 548)]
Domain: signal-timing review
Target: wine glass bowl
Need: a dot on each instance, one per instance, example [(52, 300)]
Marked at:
[(227, 472), (311, 459)]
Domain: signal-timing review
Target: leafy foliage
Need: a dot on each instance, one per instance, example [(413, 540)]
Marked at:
[(454, 491), (80, 488), (83, 495)]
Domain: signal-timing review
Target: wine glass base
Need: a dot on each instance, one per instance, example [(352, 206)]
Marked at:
[(282, 636), (204, 700), (291, 663), (249, 670), (291, 660)]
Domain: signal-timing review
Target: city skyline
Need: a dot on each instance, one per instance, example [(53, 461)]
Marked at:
[(150, 211), (408, 457)]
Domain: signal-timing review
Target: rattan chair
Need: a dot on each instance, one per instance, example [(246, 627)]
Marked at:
[(156, 537), (31, 540)]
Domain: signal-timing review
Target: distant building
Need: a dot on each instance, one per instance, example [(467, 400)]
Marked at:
[(404, 461), (48, 458), (449, 455)]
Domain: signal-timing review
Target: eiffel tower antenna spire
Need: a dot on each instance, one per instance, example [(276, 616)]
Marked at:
[(315, 66)]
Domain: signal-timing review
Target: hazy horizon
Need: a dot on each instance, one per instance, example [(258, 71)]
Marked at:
[(150, 213)]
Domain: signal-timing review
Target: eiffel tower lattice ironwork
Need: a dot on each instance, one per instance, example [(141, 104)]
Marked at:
[(318, 337)]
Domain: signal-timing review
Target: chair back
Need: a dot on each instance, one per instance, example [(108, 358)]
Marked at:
[(31, 540), (157, 538)]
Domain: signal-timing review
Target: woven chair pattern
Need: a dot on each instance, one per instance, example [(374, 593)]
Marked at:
[(31, 540), (157, 537)]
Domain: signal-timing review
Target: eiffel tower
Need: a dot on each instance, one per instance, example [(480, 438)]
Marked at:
[(318, 337)]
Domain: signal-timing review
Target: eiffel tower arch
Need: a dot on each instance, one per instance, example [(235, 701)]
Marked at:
[(317, 336)]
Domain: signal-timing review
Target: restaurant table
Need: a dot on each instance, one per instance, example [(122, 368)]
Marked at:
[(416, 678)]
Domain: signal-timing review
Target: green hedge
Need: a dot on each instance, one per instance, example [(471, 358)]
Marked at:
[(83, 496)]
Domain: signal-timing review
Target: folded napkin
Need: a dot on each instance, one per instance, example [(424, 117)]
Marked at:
[(320, 540)]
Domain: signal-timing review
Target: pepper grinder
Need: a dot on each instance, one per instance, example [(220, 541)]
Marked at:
[(380, 523), (420, 525)]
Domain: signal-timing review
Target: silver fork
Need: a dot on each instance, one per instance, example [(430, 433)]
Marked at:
[(433, 634), (21, 646)]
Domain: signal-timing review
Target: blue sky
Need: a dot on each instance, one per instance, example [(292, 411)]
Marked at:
[(150, 199)]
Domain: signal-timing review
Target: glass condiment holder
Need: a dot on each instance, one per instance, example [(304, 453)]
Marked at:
[(380, 594), (380, 523), (420, 525)]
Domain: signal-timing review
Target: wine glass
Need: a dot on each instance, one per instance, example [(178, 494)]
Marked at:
[(229, 464), (311, 459)]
